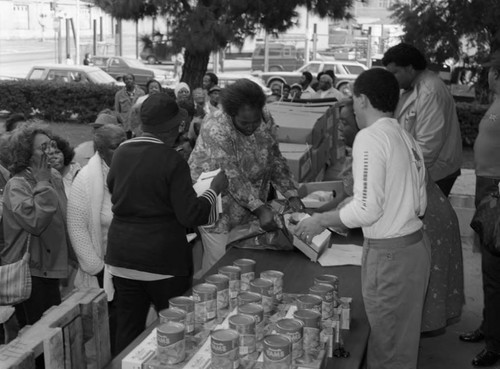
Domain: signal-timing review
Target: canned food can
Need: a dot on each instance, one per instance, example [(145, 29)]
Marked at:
[(172, 315), (257, 312), (293, 329), (222, 283), (224, 347), (171, 343), (249, 297), (265, 288), (332, 280), (309, 301), (234, 274), (245, 326), (205, 302), (325, 291), (277, 352), (277, 278), (247, 267), (311, 320), (187, 304)]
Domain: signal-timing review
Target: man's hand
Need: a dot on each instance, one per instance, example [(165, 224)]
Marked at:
[(307, 227), (266, 218), (220, 182)]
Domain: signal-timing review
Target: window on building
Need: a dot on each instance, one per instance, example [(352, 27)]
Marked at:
[(21, 19), (384, 3)]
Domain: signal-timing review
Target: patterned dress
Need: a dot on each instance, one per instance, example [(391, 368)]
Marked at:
[(251, 163), (445, 293)]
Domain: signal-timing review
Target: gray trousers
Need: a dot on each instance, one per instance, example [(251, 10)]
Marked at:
[(394, 276)]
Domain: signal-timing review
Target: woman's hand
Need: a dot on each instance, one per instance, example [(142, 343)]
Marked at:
[(220, 182), (266, 218), (41, 170), (296, 204)]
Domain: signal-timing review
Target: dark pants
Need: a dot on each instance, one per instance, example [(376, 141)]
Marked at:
[(490, 268), (133, 299), (446, 183), (44, 294)]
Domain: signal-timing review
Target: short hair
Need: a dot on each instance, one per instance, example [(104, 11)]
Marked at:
[(404, 55), (380, 87), (66, 149), (153, 81), (243, 92), (308, 75), (213, 78), (331, 73), (129, 74), (12, 120), (286, 86), (103, 136), (21, 146)]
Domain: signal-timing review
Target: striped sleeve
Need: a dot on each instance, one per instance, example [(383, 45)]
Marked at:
[(211, 196)]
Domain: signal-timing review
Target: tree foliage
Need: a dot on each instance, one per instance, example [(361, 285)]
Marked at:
[(203, 26), (443, 28)]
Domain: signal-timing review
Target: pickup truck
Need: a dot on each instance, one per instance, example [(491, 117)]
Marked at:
[(117, 67)]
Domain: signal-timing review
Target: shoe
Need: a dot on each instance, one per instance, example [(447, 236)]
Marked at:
[(472, 336), (485, 358)]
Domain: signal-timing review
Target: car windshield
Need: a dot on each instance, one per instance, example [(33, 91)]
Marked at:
[(354, 69), (312, 68), (134, 63), (99, 76)]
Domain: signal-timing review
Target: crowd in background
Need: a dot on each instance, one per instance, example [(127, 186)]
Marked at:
[(85, 213)]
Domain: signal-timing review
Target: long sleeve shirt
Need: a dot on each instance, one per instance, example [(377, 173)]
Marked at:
[(389, 182), (428, 112), (251, 164)]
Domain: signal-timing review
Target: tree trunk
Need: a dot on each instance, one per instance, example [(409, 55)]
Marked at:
[(194, 68)]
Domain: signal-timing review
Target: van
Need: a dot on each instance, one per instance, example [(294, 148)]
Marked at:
[(282, 57)]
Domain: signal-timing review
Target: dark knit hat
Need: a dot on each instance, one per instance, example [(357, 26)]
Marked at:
[(160, 113)]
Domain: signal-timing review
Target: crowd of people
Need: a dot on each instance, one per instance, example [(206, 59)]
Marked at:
[(90, 219)]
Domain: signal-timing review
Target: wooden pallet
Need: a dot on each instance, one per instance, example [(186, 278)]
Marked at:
[(72, 335)]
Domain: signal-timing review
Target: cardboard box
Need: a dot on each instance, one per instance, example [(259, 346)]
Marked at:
[(336, 187), (142, 353), (298, 158), (300, 127)]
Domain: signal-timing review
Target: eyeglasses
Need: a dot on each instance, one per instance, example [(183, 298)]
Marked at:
[(48, 146)]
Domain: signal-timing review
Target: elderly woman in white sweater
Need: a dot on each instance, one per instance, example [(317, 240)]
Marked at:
[(89, 211)]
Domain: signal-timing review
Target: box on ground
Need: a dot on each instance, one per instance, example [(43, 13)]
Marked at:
[(335, 187), (299, 159)]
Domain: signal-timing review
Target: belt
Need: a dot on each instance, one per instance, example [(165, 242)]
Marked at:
[(409, 239)]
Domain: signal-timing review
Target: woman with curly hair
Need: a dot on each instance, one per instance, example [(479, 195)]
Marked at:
[(34, 215), (61, 159)]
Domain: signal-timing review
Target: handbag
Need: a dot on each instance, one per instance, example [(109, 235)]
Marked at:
[(486, 223), (16, 279)]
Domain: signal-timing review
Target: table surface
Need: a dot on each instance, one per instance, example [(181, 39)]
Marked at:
[(299, 273)]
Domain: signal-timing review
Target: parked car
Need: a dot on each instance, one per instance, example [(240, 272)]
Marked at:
[(158, 52), (281, 57), (71, 73), (345, 71), (225, 79), (118, 66)]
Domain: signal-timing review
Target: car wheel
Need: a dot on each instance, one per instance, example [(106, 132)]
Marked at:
[(275, 68), (151, 59)]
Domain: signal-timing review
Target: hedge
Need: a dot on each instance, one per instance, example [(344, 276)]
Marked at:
[(56, 102)]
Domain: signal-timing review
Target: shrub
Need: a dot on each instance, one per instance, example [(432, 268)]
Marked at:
[(57, 102), (469, 116)]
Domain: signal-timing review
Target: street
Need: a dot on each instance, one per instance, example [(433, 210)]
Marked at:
[(18, 56)]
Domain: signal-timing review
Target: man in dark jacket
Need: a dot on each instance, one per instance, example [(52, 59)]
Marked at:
[(153, 204)]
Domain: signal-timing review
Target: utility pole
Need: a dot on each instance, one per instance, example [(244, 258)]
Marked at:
[(266, 53)]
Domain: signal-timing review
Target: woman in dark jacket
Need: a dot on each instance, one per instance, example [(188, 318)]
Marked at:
[(34, 215)]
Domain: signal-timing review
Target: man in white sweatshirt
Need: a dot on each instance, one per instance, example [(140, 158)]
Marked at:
[(389, 196)]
